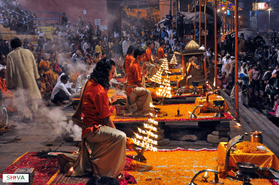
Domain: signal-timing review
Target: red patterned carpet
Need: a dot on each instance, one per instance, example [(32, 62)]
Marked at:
[(47, 171), (45, 168), (164, 167)]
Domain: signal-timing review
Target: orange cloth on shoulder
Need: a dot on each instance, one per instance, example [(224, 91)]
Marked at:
[(95, 106), (133, 76), (160, 53)]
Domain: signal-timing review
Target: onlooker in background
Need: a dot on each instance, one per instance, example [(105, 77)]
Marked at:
[(45, 87), (47, 47), (81, 80), (86, 45), (78, 56), (83, 41), (168, 20), (163, 33), (222, 80), (28, 45), (266, 76), (98, 47), (3, 61), (60, 92), (244, 73), (117, 50), (39, 49), (274, 88), (125, 45), (80, 21), (255, 76), (264, 100), (168, 48), (97, 57)]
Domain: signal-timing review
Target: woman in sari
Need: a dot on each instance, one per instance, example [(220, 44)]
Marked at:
[(107, 144), (46, 67)]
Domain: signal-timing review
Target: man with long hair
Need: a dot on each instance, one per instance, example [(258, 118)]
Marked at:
[(128, 58), (107, 144)]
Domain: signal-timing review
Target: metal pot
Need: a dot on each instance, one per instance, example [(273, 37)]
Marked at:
[(256, 137)]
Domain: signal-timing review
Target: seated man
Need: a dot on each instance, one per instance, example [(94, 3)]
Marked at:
[(160, 52), (82, 80), (45, 87), (6, 93), (68, 70), (60, 92), (45, 67), (149, 60), (139, 99)]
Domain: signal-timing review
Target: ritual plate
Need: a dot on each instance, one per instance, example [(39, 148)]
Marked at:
[(54, 153), (57, 153)]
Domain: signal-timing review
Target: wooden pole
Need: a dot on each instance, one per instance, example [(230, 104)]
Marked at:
[(194, 25), (183, 66), (205, 41), (236, 61), (268, 24), (199, 23), (138, 13), (216, 54)]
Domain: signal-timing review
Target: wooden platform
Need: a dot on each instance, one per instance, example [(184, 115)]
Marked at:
[(169, 114), (251, 120)]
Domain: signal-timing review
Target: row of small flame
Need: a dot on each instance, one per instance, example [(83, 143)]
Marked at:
[(145, 141)]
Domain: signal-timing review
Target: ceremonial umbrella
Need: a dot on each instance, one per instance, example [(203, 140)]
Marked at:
[(267, 42), (247, 33), (189, 17)]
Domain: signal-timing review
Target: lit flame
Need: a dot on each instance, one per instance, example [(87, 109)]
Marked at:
[(205, 175), (238, 124)]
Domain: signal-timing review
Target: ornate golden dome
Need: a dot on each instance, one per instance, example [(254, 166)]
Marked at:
[(191, 46)]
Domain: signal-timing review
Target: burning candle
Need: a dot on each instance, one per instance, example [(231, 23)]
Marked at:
[(205, 175)]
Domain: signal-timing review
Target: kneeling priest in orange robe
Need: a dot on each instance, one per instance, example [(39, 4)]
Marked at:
[(139, 99), (105, 153)]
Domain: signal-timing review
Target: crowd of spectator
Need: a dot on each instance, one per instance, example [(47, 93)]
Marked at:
[(258, 73), (65, 61), (70, 57)]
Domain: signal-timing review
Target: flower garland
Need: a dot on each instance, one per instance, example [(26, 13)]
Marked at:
[(169, 113), (248, 147), (129, 143), (178, 166)]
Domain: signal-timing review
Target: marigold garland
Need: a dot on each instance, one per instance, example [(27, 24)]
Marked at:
[(169, 113), (129, 143), (179, 167), (248, 147)]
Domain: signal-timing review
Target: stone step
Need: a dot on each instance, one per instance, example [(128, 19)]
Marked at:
[(251, 119)]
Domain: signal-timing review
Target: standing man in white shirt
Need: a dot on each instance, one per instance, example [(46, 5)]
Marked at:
[(125, 46)]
